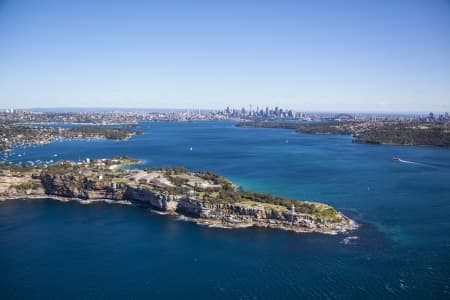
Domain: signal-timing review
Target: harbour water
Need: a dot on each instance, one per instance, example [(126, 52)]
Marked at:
[(50, 249)]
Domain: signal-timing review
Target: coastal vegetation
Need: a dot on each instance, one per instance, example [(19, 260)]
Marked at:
[(21, 134), (26, 186), (373, 132), (310, 128), (426, 134), (201, 195), (99, 132)]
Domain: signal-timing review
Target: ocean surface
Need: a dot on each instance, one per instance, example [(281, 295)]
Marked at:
[(50, 249)]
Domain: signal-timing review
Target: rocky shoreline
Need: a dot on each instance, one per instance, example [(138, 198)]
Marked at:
[(211, 223), (203, 198)]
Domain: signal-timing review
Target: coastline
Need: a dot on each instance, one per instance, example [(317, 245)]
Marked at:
[(201, 197), (210, 223), (125, 166), (389, 133), (64, 199)]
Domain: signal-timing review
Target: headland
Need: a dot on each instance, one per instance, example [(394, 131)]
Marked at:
[(372, 132), (202, 197)]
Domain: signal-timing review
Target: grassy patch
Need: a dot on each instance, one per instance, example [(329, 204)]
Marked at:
[(267, 206)]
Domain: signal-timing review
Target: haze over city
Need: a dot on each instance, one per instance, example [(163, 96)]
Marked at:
[(390, 56)]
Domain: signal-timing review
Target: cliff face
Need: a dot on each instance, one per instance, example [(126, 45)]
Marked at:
[(81, 187), (157, 200), (239, 213), (18, 186), (228, 214)]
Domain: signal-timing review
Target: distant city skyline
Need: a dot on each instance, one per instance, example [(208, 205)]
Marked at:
[(346, 56), (256, 110)]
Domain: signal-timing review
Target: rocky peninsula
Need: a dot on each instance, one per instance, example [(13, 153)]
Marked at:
[(202, 197)]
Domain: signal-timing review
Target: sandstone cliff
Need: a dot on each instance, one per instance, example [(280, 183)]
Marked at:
[(231, 214)]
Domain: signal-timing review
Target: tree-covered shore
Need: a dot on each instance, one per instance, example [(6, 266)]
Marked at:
[(379, 132), (24, 134)]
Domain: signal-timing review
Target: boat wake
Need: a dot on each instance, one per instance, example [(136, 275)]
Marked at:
[(413, 163)]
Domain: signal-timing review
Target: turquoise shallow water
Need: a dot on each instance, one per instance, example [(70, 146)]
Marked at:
[(52, 249)]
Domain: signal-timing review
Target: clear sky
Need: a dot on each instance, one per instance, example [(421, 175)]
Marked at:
[(306, 55)]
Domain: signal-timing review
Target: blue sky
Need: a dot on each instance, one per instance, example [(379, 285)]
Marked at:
[(304, 55)]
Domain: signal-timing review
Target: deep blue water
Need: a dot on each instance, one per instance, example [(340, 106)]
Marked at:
[(58, 250)]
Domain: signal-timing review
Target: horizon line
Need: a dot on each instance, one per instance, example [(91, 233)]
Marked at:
[(174, 109)]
